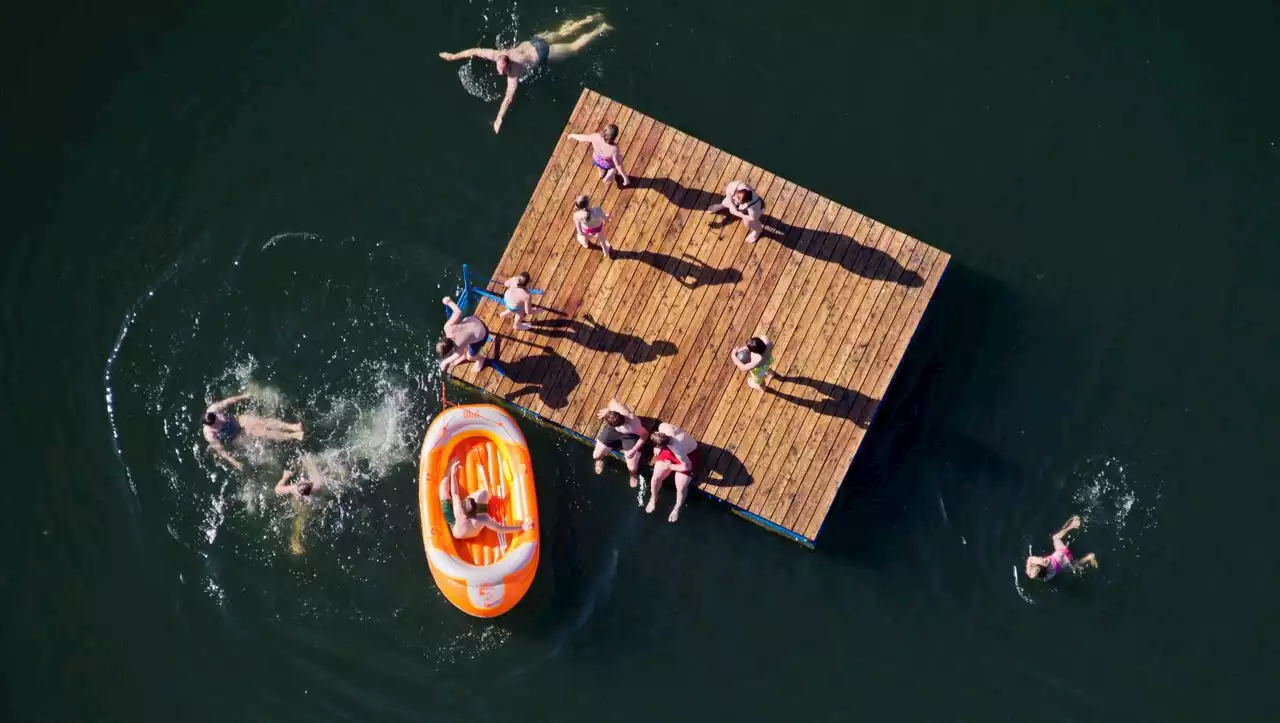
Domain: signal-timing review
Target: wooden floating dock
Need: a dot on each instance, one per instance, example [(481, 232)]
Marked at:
[(839, 293)]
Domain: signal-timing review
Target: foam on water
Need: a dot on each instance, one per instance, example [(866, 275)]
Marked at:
[(1108, 503)]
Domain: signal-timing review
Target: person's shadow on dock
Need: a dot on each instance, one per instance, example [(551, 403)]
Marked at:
[(717, 466), (852, 255), (686, 269), (547, 374), (835, 400), (592, 335)]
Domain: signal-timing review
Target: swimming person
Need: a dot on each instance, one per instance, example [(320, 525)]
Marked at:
[(517, 299), (755, 358), (621, 430), (467, 516), (741, 200), (464, 337), (588, 221), (519, 62), (1045, 568), (677, 452), (604, 153), (221, 429), (303, 493)]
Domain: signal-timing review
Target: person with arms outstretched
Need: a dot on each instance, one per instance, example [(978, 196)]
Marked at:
[(463, 338), (519, 62), (623, 431), (221, 428), (467, 516), (605, 155), (1045, 568)]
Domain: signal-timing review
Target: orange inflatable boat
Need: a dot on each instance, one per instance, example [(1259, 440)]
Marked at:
[(487, 574)]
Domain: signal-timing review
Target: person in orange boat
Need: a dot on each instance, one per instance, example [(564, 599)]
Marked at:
[(468, 516), (675, 451), (621, 430)]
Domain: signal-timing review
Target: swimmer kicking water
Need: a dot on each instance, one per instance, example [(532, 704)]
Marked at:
[(1045, 568), (518, 63), (303, 491), (222, 429)]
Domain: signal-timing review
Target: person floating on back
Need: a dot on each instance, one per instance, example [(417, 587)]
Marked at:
[(1046, 568), (519, 62), (742, 201), (755, 358), (222, 429), (604, 153), (588, 222), (621, 430), (517, 299), (464, 337), (675, 452), (468, 516)]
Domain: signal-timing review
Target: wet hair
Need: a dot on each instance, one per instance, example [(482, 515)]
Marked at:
[(756, 344), (305, 488), (1037, 569), (614, 419), (210, 419), (469, 507), (660, 439), (747, 195), (445, 347), (522, 279), (581, 202), (609, 133), (501, 58)]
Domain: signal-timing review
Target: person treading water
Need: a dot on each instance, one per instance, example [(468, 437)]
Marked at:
[(519, 62), (303, 492), (467, 516), (1045, 568), (222, 428)]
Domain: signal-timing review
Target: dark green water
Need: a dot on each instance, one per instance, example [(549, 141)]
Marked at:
[(202, 197)]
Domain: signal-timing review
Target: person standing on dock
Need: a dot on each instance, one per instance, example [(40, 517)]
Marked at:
[(623, 431), (755, 358), (464, 337), (588, 221), (676, 452), (741, 200), (604, 153), (519, 63), (517, 299)]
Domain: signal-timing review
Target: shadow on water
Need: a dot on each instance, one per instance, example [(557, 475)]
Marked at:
[(836, 401), (592, 335)]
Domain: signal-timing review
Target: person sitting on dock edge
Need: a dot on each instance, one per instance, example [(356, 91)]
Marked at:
[(604, 153), (517, 299), (741, 200), (623, 431), (1045, 568), (755, 358), (468, 516), (464, 337), (676, 451)]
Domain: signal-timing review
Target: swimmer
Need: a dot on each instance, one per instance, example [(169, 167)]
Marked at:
[(221, 429), (742, 201), (588, 221), (467, 516), (463, 338), (517, 299), (303, 493), (604, 153), (519, 62), (676, 451), (755, 357), (621, 430), (1045, 568)]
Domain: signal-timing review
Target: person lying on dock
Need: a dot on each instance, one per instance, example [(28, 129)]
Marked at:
[(755, 357), (604, 153), (464, 337), (1045, 568), (741, 200), (621, 430), (519, 62), (468, 516), (676, 451), (588, 222), (222, 429), (517, 299)]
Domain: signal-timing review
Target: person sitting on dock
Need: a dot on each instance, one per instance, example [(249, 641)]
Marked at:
[(221, 429), (604, 153), (741, 200), (588, 221), (755, 358), (623, 431), (676, 452), (517, 299), (519, 62), (1045, 568), (468, 516), (463, 338)]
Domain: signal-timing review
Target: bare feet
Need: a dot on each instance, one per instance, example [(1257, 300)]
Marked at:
[(635, 480), (607, 249), (599, 466), (675, 514), (523, 326), (479, 365), (753, 237), (652, 501)]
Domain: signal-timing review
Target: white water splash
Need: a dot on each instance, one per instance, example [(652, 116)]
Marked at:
[(1107, 500)]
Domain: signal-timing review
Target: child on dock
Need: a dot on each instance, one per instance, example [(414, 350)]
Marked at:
[(604, 153), (1045, 568), (741, 200), (621, 430), (588, 221), (676, 451), (755, 358), (517, 299)]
